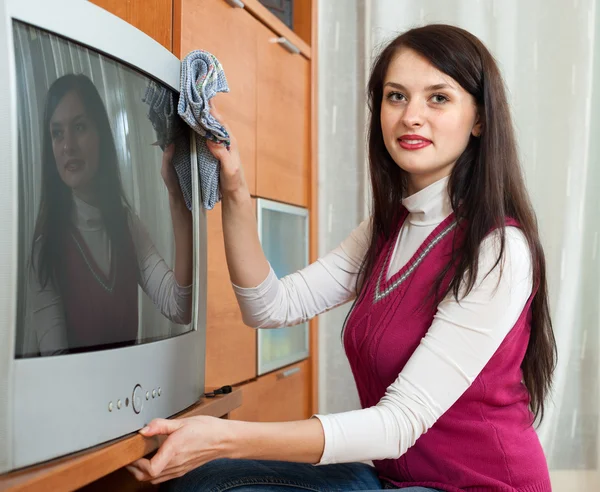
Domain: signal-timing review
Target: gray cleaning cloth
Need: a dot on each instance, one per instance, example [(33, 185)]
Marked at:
[(202, 77), (162, 113)]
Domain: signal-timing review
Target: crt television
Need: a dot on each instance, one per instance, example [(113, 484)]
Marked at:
[(97, 337)]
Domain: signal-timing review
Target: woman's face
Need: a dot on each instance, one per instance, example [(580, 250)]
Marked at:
[(427, 119), (75, 143)]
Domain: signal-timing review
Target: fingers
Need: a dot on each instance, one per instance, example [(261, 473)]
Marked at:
[(173, 473), (144, 476), (161, 426), (145, 469), (219, 117), (137, 473), (218, 150), (162, 458)]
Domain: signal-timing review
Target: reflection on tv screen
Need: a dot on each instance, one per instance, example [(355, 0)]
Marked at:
[(96, 235)]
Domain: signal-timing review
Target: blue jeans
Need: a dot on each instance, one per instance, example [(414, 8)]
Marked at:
[(280, 476)]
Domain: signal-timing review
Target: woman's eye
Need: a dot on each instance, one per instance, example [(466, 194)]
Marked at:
[(80, 127), (439, 98), (395, 96), (56, 134)]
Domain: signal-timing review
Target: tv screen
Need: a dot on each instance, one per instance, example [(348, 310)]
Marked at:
[(96, 243)]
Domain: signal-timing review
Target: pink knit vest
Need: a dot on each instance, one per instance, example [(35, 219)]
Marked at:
[(100, 311), (485, 441)]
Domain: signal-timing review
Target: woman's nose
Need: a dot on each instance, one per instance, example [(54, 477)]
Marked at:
[(413, 114), (69, 143)]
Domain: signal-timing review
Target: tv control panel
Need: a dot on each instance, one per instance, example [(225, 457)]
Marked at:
[(138, 397)]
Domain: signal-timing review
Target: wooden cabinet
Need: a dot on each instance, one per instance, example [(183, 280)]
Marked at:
[(230, 345), (276, 397), (268, 110), (154, 17), (283, 122), (230, 34)]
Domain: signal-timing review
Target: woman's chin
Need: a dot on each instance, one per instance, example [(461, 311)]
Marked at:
[(78, 184)]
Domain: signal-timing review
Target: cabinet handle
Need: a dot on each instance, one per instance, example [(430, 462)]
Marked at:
[(236, 3), (288, 372), (287, 45)]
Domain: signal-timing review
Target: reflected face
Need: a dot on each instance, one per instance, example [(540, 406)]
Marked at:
[(427, 118), (75, 143)]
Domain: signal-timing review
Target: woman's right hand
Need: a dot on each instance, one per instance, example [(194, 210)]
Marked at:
[(232, 178)]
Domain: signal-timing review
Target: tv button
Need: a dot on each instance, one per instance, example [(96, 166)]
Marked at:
[(137, 400)]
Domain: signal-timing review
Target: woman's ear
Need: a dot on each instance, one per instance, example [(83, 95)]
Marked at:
[(478, 126)]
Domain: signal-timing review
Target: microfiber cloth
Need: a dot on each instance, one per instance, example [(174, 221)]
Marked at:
[(202, 77)]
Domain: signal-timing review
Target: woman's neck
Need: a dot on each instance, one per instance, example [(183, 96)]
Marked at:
[(86, 196), (418, 182)]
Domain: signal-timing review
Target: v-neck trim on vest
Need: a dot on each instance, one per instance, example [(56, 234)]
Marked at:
[(384, 287), (106, 281)]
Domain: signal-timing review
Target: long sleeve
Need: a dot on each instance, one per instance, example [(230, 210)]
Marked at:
[(45, 328), (328, 282), (461, 340), (158, 280)]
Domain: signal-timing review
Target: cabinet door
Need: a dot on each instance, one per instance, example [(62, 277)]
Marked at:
[(283, 232), (153, 17), (277, 397), (230, 34), (230, 345), (283, 122)]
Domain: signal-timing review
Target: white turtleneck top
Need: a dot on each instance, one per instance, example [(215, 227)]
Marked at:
[(461, 340), (156, 279)]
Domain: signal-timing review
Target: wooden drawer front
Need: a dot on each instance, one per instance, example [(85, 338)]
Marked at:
[(276, 397), (229, 34), (283, 123)]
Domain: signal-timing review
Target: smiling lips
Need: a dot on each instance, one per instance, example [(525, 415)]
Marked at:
[(74, 165), (413, 142)]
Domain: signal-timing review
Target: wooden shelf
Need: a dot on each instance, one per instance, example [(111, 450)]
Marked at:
[(79, 469)]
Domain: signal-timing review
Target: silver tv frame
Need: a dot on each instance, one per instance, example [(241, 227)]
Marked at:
[(261, 205), (52, 406)]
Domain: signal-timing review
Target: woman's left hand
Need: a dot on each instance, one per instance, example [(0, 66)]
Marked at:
[(191, 442), (167, 171)]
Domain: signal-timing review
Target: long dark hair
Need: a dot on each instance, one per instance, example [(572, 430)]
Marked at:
[(54, 220), (486, 181)]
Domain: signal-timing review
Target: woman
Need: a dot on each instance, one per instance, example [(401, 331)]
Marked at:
[(449, 338), (90, 250)]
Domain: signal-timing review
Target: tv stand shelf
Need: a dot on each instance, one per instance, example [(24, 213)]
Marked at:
[(83, 468)]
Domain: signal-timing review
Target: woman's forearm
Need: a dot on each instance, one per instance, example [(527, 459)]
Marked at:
[(246, 261), (184, 242), (301, 441)]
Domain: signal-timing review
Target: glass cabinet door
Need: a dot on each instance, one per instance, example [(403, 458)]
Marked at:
[(283, 231)]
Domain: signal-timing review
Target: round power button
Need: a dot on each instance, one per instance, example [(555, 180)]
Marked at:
[(137, 399)]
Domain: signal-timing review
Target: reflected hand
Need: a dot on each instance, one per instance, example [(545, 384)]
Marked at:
[(191, 442), (232, 173), (167, 171)]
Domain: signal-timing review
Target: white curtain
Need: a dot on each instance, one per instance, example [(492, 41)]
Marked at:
[(41, 58), (341, 174), (547, 52)]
